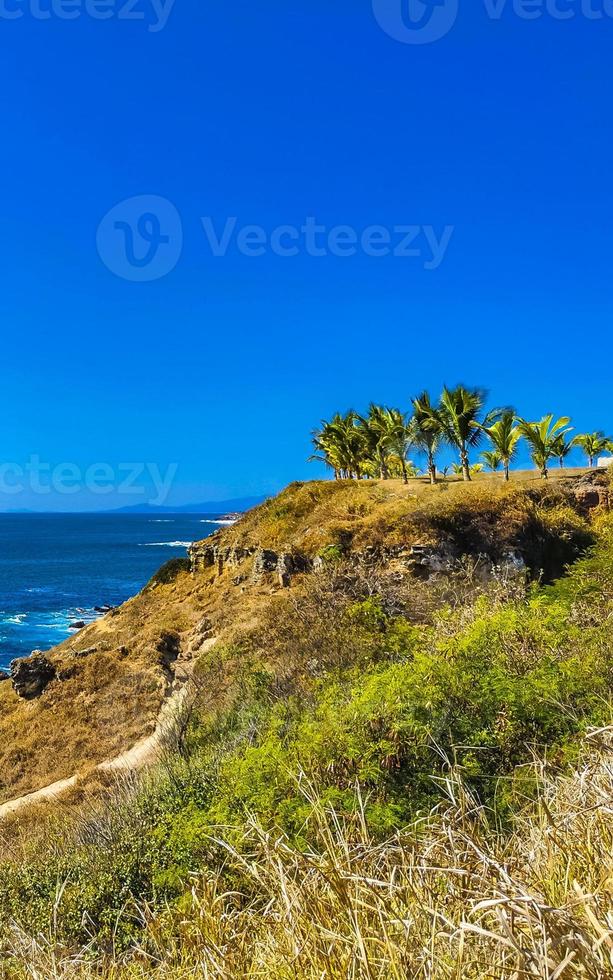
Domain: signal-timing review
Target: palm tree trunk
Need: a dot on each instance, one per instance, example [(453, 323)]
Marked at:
[(405, 475), (591, 459), (544, 472), (506, 471), (432, 468), (465, 464)]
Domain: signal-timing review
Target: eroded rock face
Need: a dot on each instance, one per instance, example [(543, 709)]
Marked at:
[(4, 676), (209, 554), (592, 491), (32, 675), (284, 565)]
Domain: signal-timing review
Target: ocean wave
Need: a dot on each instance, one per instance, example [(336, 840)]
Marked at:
[(219, 522), (167, 544), (62, 618), (16, 619), (159, 520)]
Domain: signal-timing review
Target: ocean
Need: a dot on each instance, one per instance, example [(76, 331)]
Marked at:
[(54, 569)]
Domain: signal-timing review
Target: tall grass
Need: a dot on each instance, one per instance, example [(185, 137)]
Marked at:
[(449, 897)]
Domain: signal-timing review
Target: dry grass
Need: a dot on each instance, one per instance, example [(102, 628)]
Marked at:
[(311, 516), (449, 899)]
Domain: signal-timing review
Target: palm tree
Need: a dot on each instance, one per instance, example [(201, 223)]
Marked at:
[(458, 469), (504, 435), (375, 430), (425, 430), (385, 435), (593, 444), (339, 444), (399, 440), (543, 438), (563, 448), (460, 417), (492, 459)]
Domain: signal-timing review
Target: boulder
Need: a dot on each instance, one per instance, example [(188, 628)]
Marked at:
[(79, 625), (32, 675), (4, 676), (85, 653), (424, 561), (265, 561), (591, 491)]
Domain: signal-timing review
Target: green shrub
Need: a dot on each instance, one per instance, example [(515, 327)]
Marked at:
[(169, 572)]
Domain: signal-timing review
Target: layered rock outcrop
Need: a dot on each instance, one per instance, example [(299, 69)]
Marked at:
[(209, 554)]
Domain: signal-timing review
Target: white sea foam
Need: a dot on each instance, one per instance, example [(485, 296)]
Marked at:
[(233, 521), (167, 544)]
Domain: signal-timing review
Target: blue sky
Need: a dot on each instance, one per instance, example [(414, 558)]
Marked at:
[(273, 113)]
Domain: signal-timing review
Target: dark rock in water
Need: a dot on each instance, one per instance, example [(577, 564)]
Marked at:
[(4, 676), (31, 675), (103, 609), (79, 625)]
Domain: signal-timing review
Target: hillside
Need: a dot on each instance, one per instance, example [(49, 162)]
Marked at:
[(110, 679), (372, 669)]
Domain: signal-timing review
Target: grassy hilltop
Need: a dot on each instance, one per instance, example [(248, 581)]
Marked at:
[(393, 761)]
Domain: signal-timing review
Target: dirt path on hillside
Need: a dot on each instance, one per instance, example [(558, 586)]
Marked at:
[(143, 753)]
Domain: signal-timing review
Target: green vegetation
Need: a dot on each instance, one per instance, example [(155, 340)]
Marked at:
[(504, 434), (492, 459), (545, 439), (378, 444), (593, 444), (169, 572), (380, 777)]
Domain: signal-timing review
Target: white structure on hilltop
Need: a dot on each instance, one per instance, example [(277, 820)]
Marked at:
[(605, 461)]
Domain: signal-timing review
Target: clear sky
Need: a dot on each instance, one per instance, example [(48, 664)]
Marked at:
[(493, 142)]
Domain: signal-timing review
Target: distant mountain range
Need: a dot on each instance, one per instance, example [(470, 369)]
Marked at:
[(238, 505)]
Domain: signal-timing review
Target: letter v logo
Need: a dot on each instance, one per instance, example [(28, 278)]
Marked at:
[(416, 21)]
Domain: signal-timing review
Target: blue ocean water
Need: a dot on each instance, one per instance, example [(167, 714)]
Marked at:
[(54, 568)]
